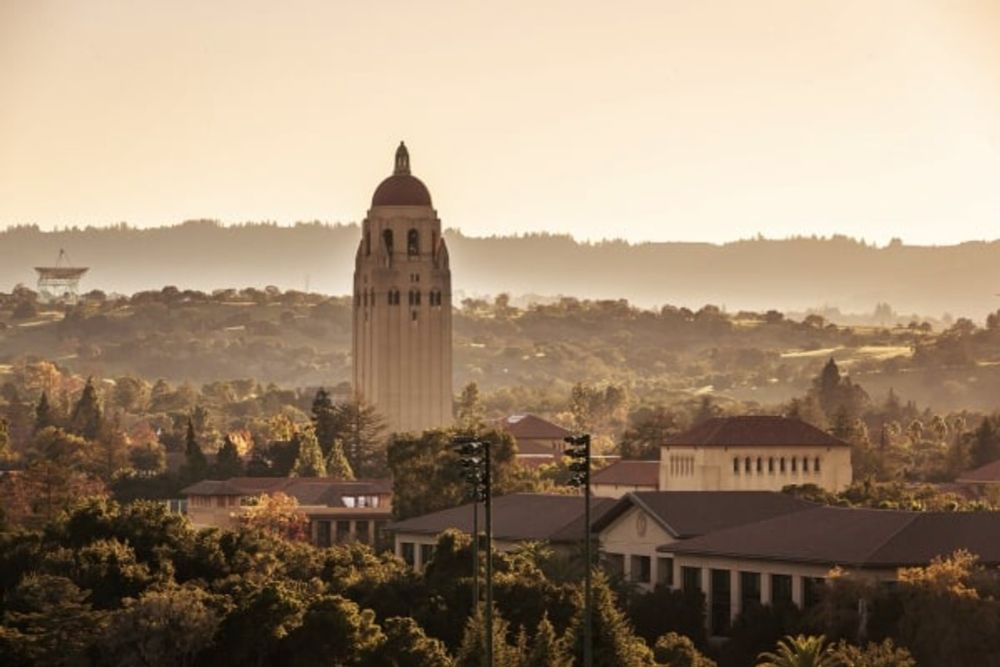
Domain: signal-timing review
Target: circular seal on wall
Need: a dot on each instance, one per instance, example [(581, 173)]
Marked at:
[(640, 524)]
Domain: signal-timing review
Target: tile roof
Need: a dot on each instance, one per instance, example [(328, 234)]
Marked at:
[(306, 490), (532, 427), (754, 430), (516, 517), (689, 513), (983, 474), (633, 473), (855, 537)]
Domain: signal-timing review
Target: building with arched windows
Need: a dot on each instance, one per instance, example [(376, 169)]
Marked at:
[(402, 306)]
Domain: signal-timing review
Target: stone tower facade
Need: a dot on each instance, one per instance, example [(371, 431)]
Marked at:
[(402, 306)]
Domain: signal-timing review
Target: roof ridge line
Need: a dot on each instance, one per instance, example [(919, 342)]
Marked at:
[(910, 519)]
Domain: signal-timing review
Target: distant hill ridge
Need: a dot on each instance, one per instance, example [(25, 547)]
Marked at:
[(792, 274)]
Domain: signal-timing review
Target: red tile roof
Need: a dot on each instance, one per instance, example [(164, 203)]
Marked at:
[(630, 473), (983, 474), (755, 431), (306, 490), (531, 427)]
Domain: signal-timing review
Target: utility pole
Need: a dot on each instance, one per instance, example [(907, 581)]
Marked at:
[(475, 459), (579, 465)]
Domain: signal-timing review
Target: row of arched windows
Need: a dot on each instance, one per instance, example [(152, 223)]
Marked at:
[(781, 464), (435, 298), (412, 242)]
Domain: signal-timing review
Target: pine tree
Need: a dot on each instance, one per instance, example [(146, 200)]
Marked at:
[(546, 650), (362, 438), (337, 464), (43, 413), (4, 440), (228, 462), (469, 411), (309, 462), (195, 463), (615, 644), (472, 652), (985, 443), (325, 421), (86, 418)]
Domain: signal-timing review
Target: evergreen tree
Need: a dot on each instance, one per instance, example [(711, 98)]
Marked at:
[(110, 450), (86, 418), (325, 420), (469, 411), (43, 413), (406, 645), (309, 462), (334, 631), (228, 462), (337, 464), (5, 453), (472, 652), (195, 464), (985, 443), (362, 438), (546, 650), (615, 644)]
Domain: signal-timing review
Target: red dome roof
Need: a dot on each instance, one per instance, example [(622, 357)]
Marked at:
[(402, 188)]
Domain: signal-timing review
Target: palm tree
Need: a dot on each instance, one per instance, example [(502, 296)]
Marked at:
[(799, 651)]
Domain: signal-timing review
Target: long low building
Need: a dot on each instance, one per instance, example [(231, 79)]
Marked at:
[(339, 511), (517, 518), (785, 559)]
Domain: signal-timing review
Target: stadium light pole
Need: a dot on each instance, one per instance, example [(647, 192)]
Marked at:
[(475, 460), (579, 465)]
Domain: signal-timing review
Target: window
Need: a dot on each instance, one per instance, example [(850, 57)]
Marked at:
[(387, 241), (614, 564), (362, 532), (781, 589), (412, 243), (760, 465), (408, 550), (364, 299), (368, 242), (736, 465), (413, 316), (665, 571), (691, 578), (322, 533), (812, 590), (781, 466), (770, 464), (749, 590), (746, 464), (426, 554), (805, 464), (720, 609), (816, 464), (640, 572), (343, 532), (795, 464), (417, 297)]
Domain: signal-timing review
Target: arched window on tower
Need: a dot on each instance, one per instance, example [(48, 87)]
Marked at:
[(387, 240), (368, 242), (412, 243)]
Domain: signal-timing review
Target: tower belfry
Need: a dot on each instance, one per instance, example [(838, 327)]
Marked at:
[(402, 306)]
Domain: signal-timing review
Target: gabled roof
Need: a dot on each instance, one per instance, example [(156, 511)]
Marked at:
[(516, 517), (325, 491), (755, 431), (982, 475), (532, 427), (686, 514), (630, 473), (854, 537)]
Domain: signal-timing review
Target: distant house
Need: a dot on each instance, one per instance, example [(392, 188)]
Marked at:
[(785, 559), (983, 477), (623, 477), (631, 530), (517, 518), (338, 511), (753, 453), (539, 441)]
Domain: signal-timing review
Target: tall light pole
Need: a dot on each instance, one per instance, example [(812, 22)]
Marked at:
[(475, 459), (579, 465)]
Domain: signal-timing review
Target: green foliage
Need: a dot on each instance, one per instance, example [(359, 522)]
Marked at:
[(884, 654), (799, 651), (228, 462), (469, 412), (615, 643), (665, 610), (195, 466), (5, 453), (334, 630), (472, 652), (362, 437), (43, 413), (676, 650), (309, 462), (406, 645), (985, 443), (86, 418), (337, 464), (546, 649)]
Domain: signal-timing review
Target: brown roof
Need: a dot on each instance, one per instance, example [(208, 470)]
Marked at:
[(532, 427), (306, 490), (688, 513), (755, 431), (401, 190), (855, 537), (983, 474), (631, 473), (516, 517)]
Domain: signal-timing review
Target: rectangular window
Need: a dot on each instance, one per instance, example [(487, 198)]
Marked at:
[(343, 532), (322, 533), (640, 572), (720, 602), (220, 501), (691, 578), (812, 591), (665, 571), (362, 532), (408, 551), (614, 564), (749, 590), (781, 590), (426, 554)]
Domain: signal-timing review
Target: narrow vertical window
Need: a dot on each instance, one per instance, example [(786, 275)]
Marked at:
[(736, 465), (816, 464), (387, 240), (412, 243)]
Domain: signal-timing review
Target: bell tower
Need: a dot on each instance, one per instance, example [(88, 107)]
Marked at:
[(402, 306)]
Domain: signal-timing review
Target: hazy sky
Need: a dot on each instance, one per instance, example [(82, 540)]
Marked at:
[(694, 120)]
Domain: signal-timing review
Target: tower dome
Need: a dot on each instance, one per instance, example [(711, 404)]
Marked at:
[(402, 188)]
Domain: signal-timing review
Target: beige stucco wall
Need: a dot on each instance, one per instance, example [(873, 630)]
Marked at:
[(616, 490), (635, 533), (687, 468), (402, 357)]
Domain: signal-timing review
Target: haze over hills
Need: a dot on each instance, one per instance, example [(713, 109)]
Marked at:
[(759, 274)]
